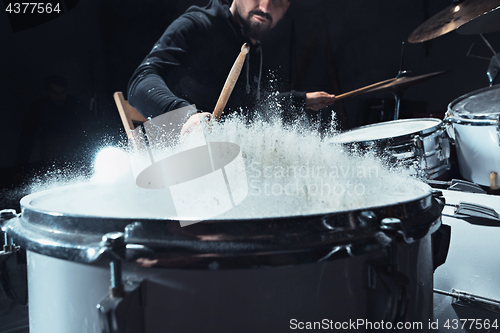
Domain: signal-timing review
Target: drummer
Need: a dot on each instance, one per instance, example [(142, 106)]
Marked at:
[(191, 61)]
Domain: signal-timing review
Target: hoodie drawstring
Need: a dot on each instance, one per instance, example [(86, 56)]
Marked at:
[(247, 60)]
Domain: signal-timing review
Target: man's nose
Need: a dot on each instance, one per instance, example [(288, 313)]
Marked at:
[(264, 6)]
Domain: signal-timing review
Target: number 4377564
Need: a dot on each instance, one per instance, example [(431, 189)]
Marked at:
[(477, 324), (32, 8)]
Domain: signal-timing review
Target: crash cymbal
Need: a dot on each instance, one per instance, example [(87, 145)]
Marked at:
[(404, 82), (451, 18), (489, 22)]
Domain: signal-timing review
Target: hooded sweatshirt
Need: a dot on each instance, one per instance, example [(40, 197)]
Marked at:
[(190, 64)]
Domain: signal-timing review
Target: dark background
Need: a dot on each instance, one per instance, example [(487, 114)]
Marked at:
[(320, 45)]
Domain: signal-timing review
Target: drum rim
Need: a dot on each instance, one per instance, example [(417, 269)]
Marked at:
[(306, 238), (28, 208), (472, 118), (408, 136)]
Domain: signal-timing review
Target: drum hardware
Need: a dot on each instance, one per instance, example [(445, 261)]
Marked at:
[(470, 273), (463, 298), (120, 310), (440, 244), (494, 65), (498, 130), (385, 272), (470, 55), (13, 278), (402, 83), (392, 225), (470, 212), (395, 285), (7, 214), (493, 68), (456, 185), (493, 181)]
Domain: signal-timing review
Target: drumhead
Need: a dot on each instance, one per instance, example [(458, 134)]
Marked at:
[(480, 104), (390, 129), (45, 227), (128, 201)]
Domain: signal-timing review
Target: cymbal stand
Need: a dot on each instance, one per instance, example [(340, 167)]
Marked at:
[(494, 66), (397, 97), (398, 94)]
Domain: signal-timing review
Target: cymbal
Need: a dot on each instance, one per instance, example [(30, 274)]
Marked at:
[(404, 82), (452, 18), (489, 22)]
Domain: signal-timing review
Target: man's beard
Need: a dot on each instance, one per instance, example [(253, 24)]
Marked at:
[(255, 30)]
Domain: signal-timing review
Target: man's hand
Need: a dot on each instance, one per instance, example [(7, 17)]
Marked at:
[(193, 124), (318, 100)]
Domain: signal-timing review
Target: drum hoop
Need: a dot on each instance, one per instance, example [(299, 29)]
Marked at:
[(456, 119), (402, 137), (483, 119), (77, 238)]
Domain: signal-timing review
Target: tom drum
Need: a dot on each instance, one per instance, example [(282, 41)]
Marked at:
[(418, 144), (372, 265), (474, 126)]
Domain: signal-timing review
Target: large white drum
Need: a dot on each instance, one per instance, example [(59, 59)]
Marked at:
[(474, 127), (471, 271), (371, 266), (418, 144)]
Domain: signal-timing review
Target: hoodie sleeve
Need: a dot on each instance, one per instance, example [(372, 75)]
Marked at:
[(292, 100), (150, 89)]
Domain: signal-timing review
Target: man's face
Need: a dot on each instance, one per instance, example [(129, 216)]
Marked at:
[(257, 17), (57, 93)]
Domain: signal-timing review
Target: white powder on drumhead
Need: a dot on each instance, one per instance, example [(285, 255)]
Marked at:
[(290, 170), (293, 171)]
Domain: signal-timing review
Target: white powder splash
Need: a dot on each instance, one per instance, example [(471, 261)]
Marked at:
[(291, 170)]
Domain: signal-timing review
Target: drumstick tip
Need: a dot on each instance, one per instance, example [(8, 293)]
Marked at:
[(245, 48)]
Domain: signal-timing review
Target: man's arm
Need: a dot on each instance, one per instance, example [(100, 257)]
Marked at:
[(301, 100), (171, 57)]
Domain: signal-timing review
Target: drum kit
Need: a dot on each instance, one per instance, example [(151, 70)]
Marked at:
[(370, 266)]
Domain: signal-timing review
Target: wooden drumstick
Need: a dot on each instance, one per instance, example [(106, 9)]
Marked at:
[(230, 82), (493, 181), (364, 89)]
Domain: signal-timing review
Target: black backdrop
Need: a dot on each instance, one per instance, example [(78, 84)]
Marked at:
[(97, 44)]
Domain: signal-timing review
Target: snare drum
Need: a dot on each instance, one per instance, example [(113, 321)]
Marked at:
[(472, 269), (418, 144), (247, 275), (475, 128)]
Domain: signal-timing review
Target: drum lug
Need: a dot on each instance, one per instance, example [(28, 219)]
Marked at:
[(390, 223), (5, 215), (419, 152), (444, 145), (448, 127), (498, 131), (121, 309), (120, 314), (13, 274), (463, 298)]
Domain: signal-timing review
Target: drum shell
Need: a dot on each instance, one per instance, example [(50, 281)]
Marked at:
[(476, 136), (478, 150), (63, 294)]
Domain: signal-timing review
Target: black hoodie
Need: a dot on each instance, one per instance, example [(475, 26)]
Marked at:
[(190, 64)]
